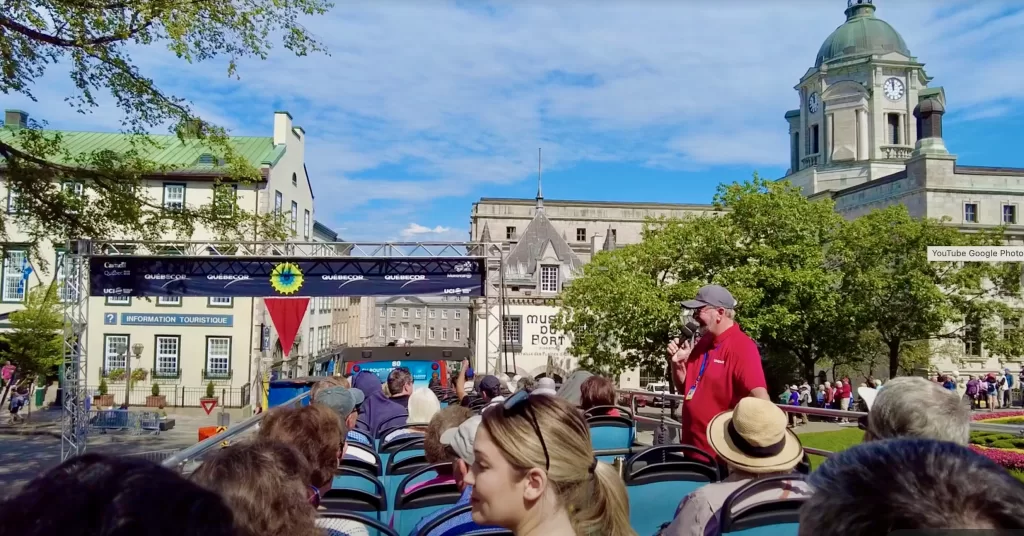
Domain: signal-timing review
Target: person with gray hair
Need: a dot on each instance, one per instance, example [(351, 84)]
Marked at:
[(915, 407)]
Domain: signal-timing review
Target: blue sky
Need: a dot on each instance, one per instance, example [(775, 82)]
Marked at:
[(423, 107)]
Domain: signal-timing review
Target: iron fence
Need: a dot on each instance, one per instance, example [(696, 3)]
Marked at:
[(176, 396)]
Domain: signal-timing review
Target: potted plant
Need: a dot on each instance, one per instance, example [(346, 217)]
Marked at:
[(156, 400), (104, 399), (210, 392), (138, 375)]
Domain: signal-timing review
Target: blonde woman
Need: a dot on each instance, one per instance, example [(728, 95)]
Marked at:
[(423, 405), (535, 474)]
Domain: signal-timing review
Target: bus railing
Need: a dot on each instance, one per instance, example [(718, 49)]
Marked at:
[(184, 456)]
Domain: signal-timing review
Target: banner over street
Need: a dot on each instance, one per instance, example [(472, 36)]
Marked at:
[(259, 277)]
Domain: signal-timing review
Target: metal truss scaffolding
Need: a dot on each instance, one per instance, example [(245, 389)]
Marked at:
[(74, 424)]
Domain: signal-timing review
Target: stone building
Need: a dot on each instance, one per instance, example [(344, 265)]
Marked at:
[(421, 320)]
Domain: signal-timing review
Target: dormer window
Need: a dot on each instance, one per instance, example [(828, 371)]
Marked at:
[(549, 278), (207, 159)]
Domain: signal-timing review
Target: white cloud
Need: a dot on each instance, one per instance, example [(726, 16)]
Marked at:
[(420, 101)]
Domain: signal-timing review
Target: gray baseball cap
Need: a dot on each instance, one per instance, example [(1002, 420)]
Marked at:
[(713, 295), (461, 439), (343, 401)]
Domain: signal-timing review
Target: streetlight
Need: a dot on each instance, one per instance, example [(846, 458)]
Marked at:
[(137, 352)]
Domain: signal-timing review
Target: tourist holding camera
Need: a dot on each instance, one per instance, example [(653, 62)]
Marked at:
[(717, 371)]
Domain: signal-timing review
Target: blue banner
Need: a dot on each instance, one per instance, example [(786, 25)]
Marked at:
[(160, 319), (262, 277)]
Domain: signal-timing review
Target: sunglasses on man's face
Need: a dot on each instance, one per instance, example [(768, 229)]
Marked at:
[(521, 401)]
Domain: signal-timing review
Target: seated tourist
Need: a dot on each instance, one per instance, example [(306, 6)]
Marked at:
[(377, 409), (423, 405), (399, 386), (435, 451), (534, 472), (909, 406), (545, 386), (755, 442), (95, 495), (266, 485), (345, 402), (598, 391), (316, 432), (939, 485)]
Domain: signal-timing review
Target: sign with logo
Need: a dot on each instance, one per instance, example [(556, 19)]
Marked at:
[(421, 371), (109, 319), (157, 319), (261, 277), (539, 341)]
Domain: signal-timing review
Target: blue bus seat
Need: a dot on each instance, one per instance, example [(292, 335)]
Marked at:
[(658, 478), (375, 467), (396, 445), (356, 491), (608, 431), (780, 517), (397, 420), (373, 526), (395, 432), (411, 507), (463, 529), (406, 460)]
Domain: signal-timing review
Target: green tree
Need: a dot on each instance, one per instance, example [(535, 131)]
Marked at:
[(908, 300), (35, 343), (94, 40)]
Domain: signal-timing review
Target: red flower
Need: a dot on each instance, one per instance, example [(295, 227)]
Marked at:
[(996, 415), (1007, 458)]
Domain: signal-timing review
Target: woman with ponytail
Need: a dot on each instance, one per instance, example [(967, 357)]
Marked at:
[(535, 473)]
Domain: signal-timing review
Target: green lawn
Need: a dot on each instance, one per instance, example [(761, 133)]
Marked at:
[(843, 439)]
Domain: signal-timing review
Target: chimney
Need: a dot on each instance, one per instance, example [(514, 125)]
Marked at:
[(15, 119), (282, 127)]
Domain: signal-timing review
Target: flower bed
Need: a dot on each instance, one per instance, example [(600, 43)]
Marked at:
[(996, 415), (1010, 459)]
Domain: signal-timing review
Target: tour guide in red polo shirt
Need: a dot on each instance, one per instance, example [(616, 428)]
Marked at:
[(722, 368)]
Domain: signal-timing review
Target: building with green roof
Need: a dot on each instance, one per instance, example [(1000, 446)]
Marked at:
[(178, 353)]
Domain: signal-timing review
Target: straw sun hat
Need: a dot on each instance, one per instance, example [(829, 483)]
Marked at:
[(754, 438)]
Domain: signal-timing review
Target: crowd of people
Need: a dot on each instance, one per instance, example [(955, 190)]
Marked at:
[(522, 458)]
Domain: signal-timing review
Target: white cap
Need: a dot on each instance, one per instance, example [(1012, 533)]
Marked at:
[(461, 439), (868, 394)]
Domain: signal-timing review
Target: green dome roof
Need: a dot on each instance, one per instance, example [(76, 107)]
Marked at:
[(861, 34)]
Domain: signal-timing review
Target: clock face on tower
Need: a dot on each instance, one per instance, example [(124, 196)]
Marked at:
[(893, 89), (812, 103)]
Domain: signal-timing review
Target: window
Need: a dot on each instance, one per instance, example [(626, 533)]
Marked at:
[(115, 352), (382, 313), (393, 331), (295, 218), (393, 313), (510, 233), (278, 203), (1010, 214), (78, 189), (405, 331), (168, 301), (432, 313), (168, 351), (812, 139), (971, 212), (67, 292), (893, 122), (15, 262), (419, 313), (382, 330), (405, 313), (218, 357), (174, 196), (458, 314), (581, 234), (225, 199), (220, 301), (615, 235), (295, 179), (444, 334), (458, 334), (513, 329), (118, 300), (309, 343), (972, 340), (444, 314), (1010, 327), (417, 332), (305, 225), (549, 279), (12, 201), (430, 332)]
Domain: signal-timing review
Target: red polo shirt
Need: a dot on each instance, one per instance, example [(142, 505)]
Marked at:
[(733, 369)]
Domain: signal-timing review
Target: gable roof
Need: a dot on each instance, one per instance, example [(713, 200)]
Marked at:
[(189, 156), (522, 260)]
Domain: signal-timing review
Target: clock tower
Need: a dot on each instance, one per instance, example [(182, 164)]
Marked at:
[(855, 121)]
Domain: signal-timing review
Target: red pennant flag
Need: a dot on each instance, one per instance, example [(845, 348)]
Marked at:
[(287, 313)]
